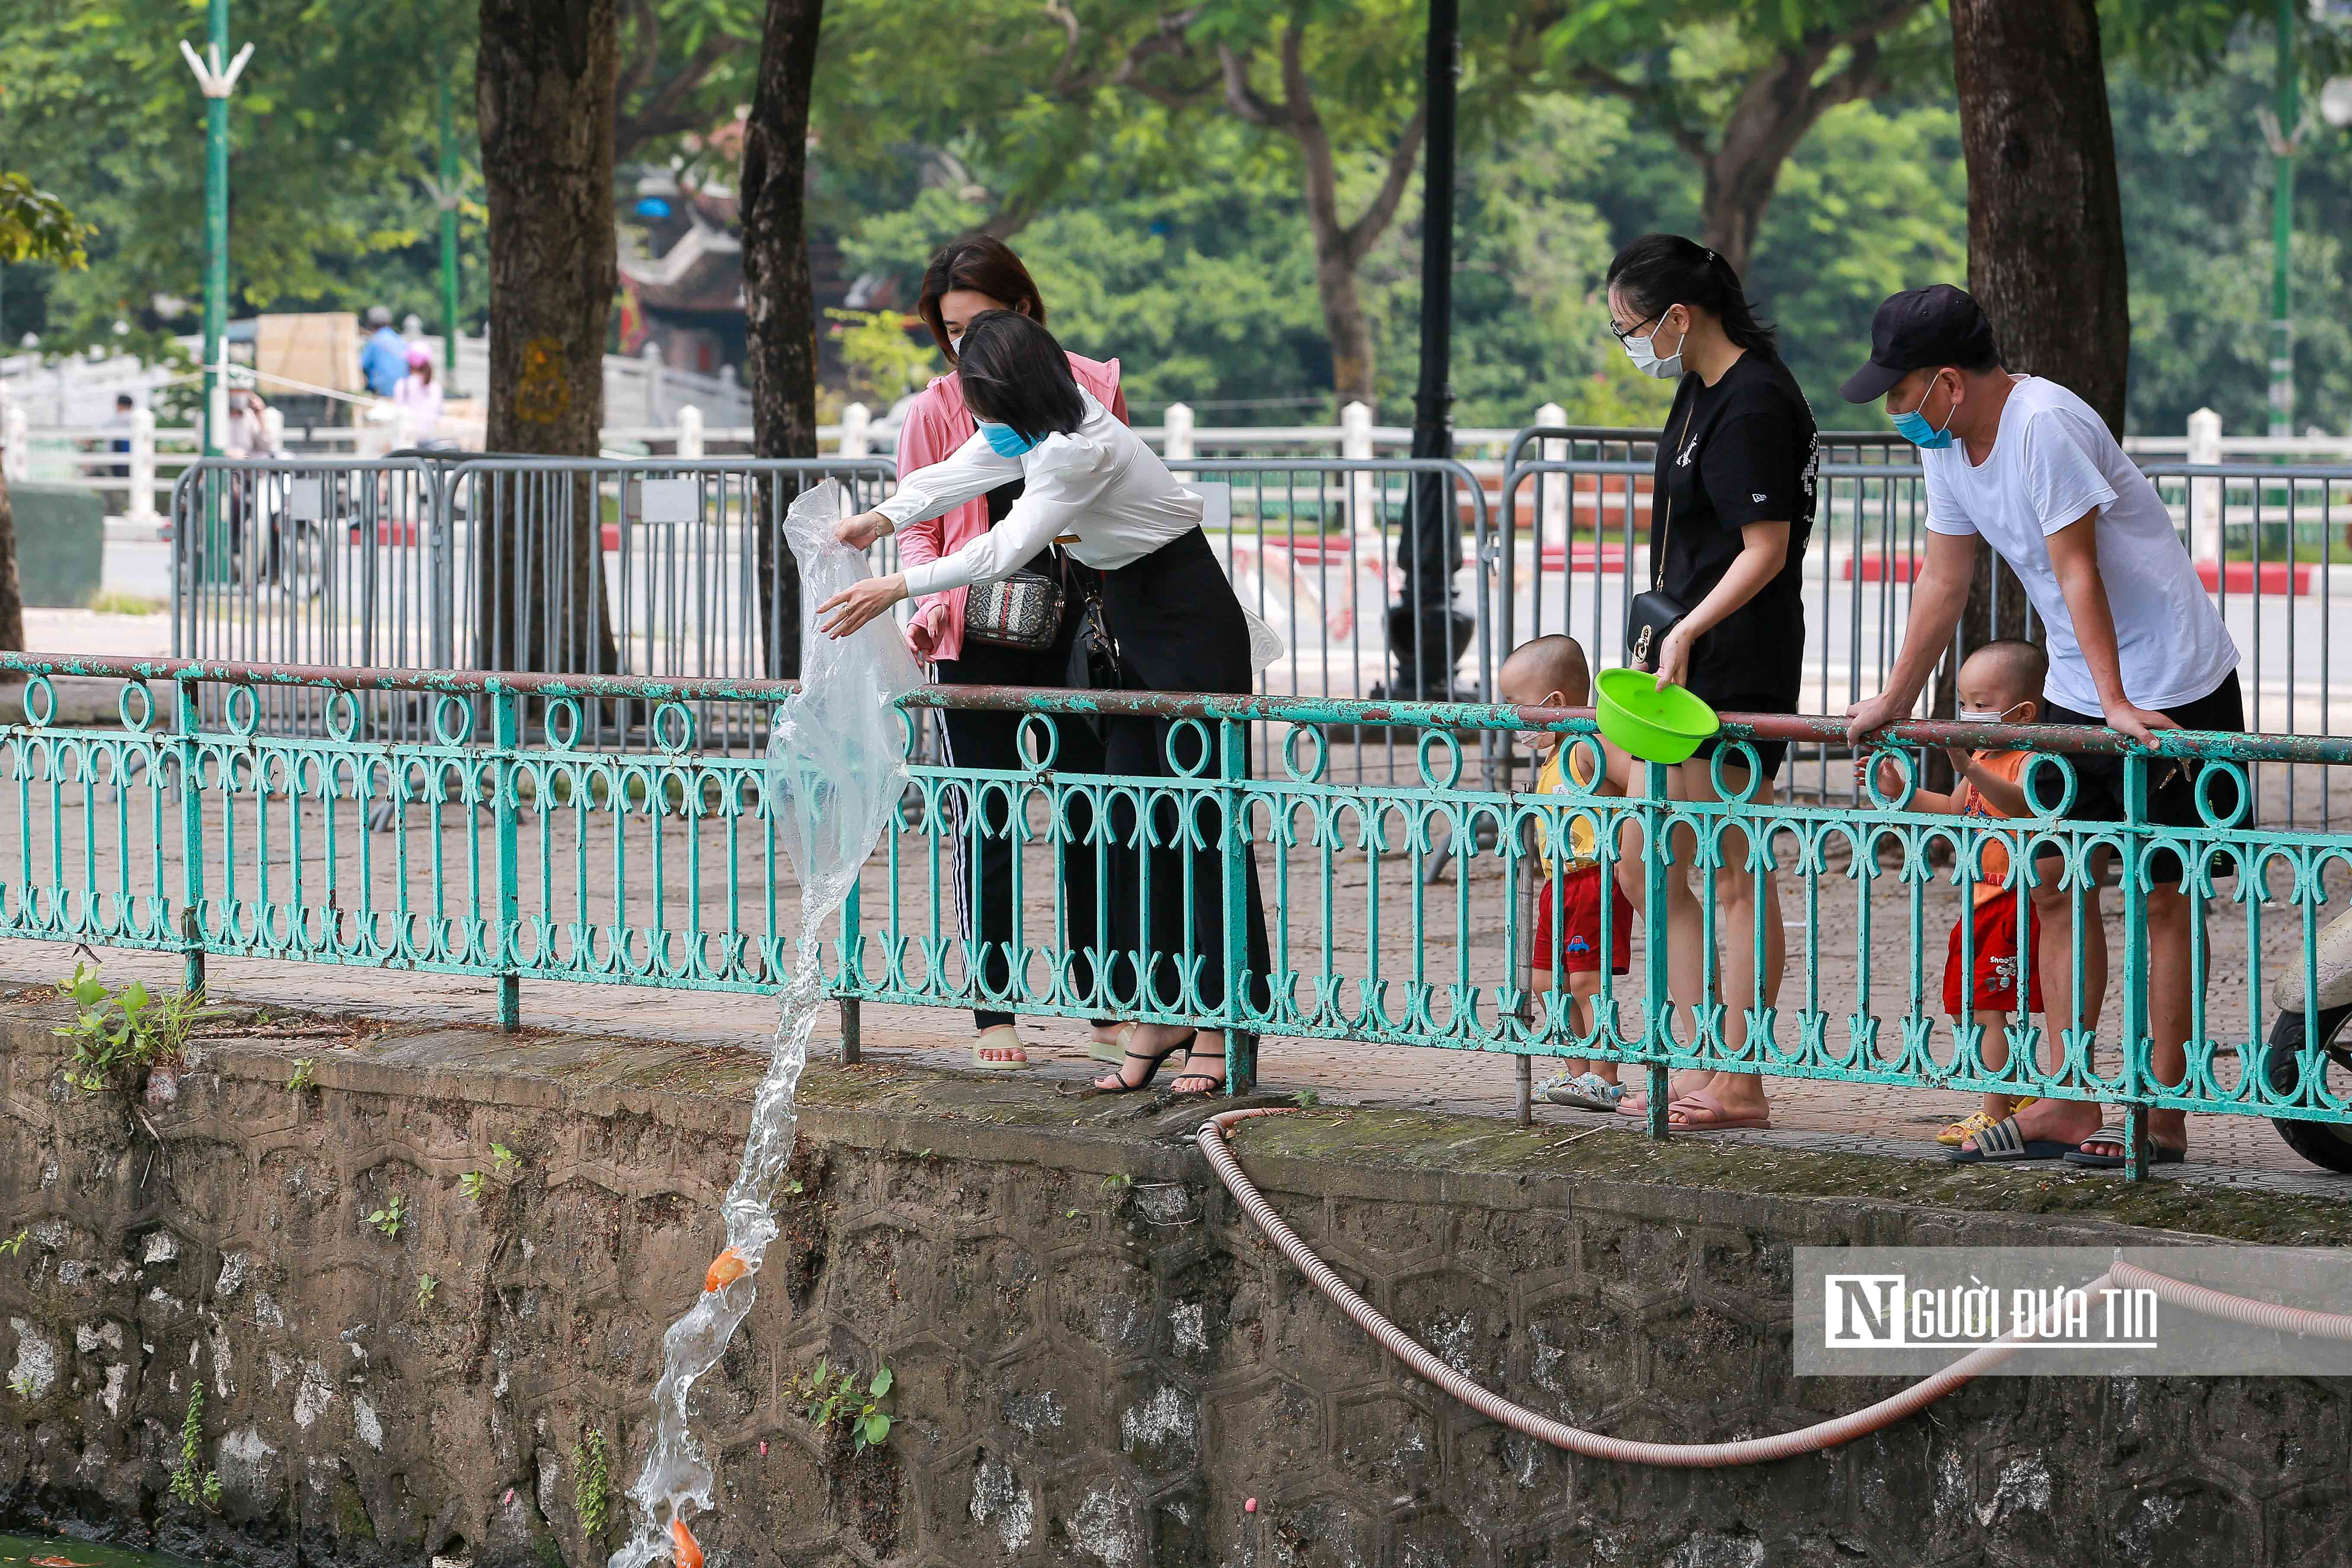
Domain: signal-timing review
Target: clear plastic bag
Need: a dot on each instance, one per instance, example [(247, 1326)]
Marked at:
[(836, 753), (836, 764)]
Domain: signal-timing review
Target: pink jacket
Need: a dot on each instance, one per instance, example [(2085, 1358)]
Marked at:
[(936, 426)]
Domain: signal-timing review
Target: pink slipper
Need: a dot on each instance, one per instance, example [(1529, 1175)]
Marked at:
[(1698, 1116)]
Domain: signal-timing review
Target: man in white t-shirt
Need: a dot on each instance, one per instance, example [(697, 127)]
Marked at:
[(2135, 644)]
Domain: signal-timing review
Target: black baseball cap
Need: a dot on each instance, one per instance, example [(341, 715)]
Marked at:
[(1919, 328)]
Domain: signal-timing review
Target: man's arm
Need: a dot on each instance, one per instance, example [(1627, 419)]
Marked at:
[(1938, 598), (2074, 562)]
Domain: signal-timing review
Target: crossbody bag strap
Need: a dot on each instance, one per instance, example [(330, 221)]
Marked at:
[(1666, 533)]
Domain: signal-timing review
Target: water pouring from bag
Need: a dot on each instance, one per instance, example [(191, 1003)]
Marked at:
[(836, 764)]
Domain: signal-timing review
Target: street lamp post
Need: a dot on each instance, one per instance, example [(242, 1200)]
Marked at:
[(1426, 631), (216, 76), (2283, 136), (445, 195)]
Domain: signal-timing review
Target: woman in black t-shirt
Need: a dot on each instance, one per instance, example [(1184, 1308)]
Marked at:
[(1731, 509)]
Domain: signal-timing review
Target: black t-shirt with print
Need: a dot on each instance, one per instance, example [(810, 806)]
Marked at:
[(1742, 451)]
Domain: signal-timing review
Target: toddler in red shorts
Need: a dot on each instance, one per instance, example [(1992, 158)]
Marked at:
[(1576, 893), (2001, 683)]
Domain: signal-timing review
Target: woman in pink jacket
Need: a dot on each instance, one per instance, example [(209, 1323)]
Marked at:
[(967, 276)]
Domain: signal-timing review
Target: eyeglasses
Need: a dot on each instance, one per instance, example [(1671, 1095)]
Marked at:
[(1622, 333)]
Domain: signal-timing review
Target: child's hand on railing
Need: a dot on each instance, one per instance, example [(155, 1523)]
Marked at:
[(1890, 777)]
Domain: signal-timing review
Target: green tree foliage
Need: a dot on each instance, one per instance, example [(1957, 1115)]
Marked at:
[(35, 225), (2197, 221), (1875, 201), (332, 128), (2175, 41), (1738, 86), (686, 65), (1328, 92)]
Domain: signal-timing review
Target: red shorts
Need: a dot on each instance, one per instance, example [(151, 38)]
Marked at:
[(1579, 932), (1997, 961)]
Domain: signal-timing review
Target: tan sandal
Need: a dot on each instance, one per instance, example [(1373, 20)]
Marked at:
[(998, 1049)]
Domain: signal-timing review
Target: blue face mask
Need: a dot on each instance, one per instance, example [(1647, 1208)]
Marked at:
[(1913, 427), (1003, 439)]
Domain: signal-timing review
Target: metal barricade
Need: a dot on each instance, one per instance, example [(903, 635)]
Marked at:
[(665, 568), (1313, 547), (312, 561)]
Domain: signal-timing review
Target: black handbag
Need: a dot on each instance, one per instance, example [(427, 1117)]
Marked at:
[(1094, 661), (1656, 613)]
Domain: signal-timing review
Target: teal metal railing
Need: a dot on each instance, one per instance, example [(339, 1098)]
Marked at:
[(497, 844)]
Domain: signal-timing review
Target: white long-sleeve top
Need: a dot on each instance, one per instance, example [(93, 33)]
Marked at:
[(1098, 489)]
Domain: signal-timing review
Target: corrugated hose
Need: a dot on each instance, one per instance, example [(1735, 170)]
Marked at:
[(1811, 1439)]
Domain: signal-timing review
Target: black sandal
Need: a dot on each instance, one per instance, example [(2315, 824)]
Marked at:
[(1216, 1085), (1119, 1084)]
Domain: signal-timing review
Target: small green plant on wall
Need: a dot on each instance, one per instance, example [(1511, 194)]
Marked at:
[(392, 1217), (504, 1165), (591, 1482), (192, 1484), (835, 1399), (118, 1032)]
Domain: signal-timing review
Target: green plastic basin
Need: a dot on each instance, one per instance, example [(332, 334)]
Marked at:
[(1653, 725)]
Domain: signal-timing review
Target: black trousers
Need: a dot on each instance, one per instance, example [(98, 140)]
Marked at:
[(985, 833), (1180, 628)]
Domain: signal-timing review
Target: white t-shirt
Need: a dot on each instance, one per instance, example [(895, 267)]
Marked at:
[(2053, 461)]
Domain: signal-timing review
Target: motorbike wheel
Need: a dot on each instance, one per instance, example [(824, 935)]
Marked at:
[(2323, 1143), (303, 570)]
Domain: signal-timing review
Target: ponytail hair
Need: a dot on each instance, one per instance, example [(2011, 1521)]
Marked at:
[(1659, 271)]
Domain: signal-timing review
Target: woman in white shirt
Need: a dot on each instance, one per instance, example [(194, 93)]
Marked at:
[(1092, 486)]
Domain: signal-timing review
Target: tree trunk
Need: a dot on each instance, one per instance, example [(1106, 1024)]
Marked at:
[(1343, 321), (1340, 246), (2045, 217), (543, 87), (779, 309), (12, 590), (1774, 113)]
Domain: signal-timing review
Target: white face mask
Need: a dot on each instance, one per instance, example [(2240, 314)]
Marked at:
[(1644, 352), (1986, 715), (1536, 740), (955, 344)]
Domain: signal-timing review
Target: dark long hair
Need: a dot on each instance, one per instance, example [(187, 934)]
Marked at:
[(1659, 271), (1014, 372), (985, 265)]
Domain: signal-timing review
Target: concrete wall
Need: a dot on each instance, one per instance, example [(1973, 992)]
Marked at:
[(1088, 1370)]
